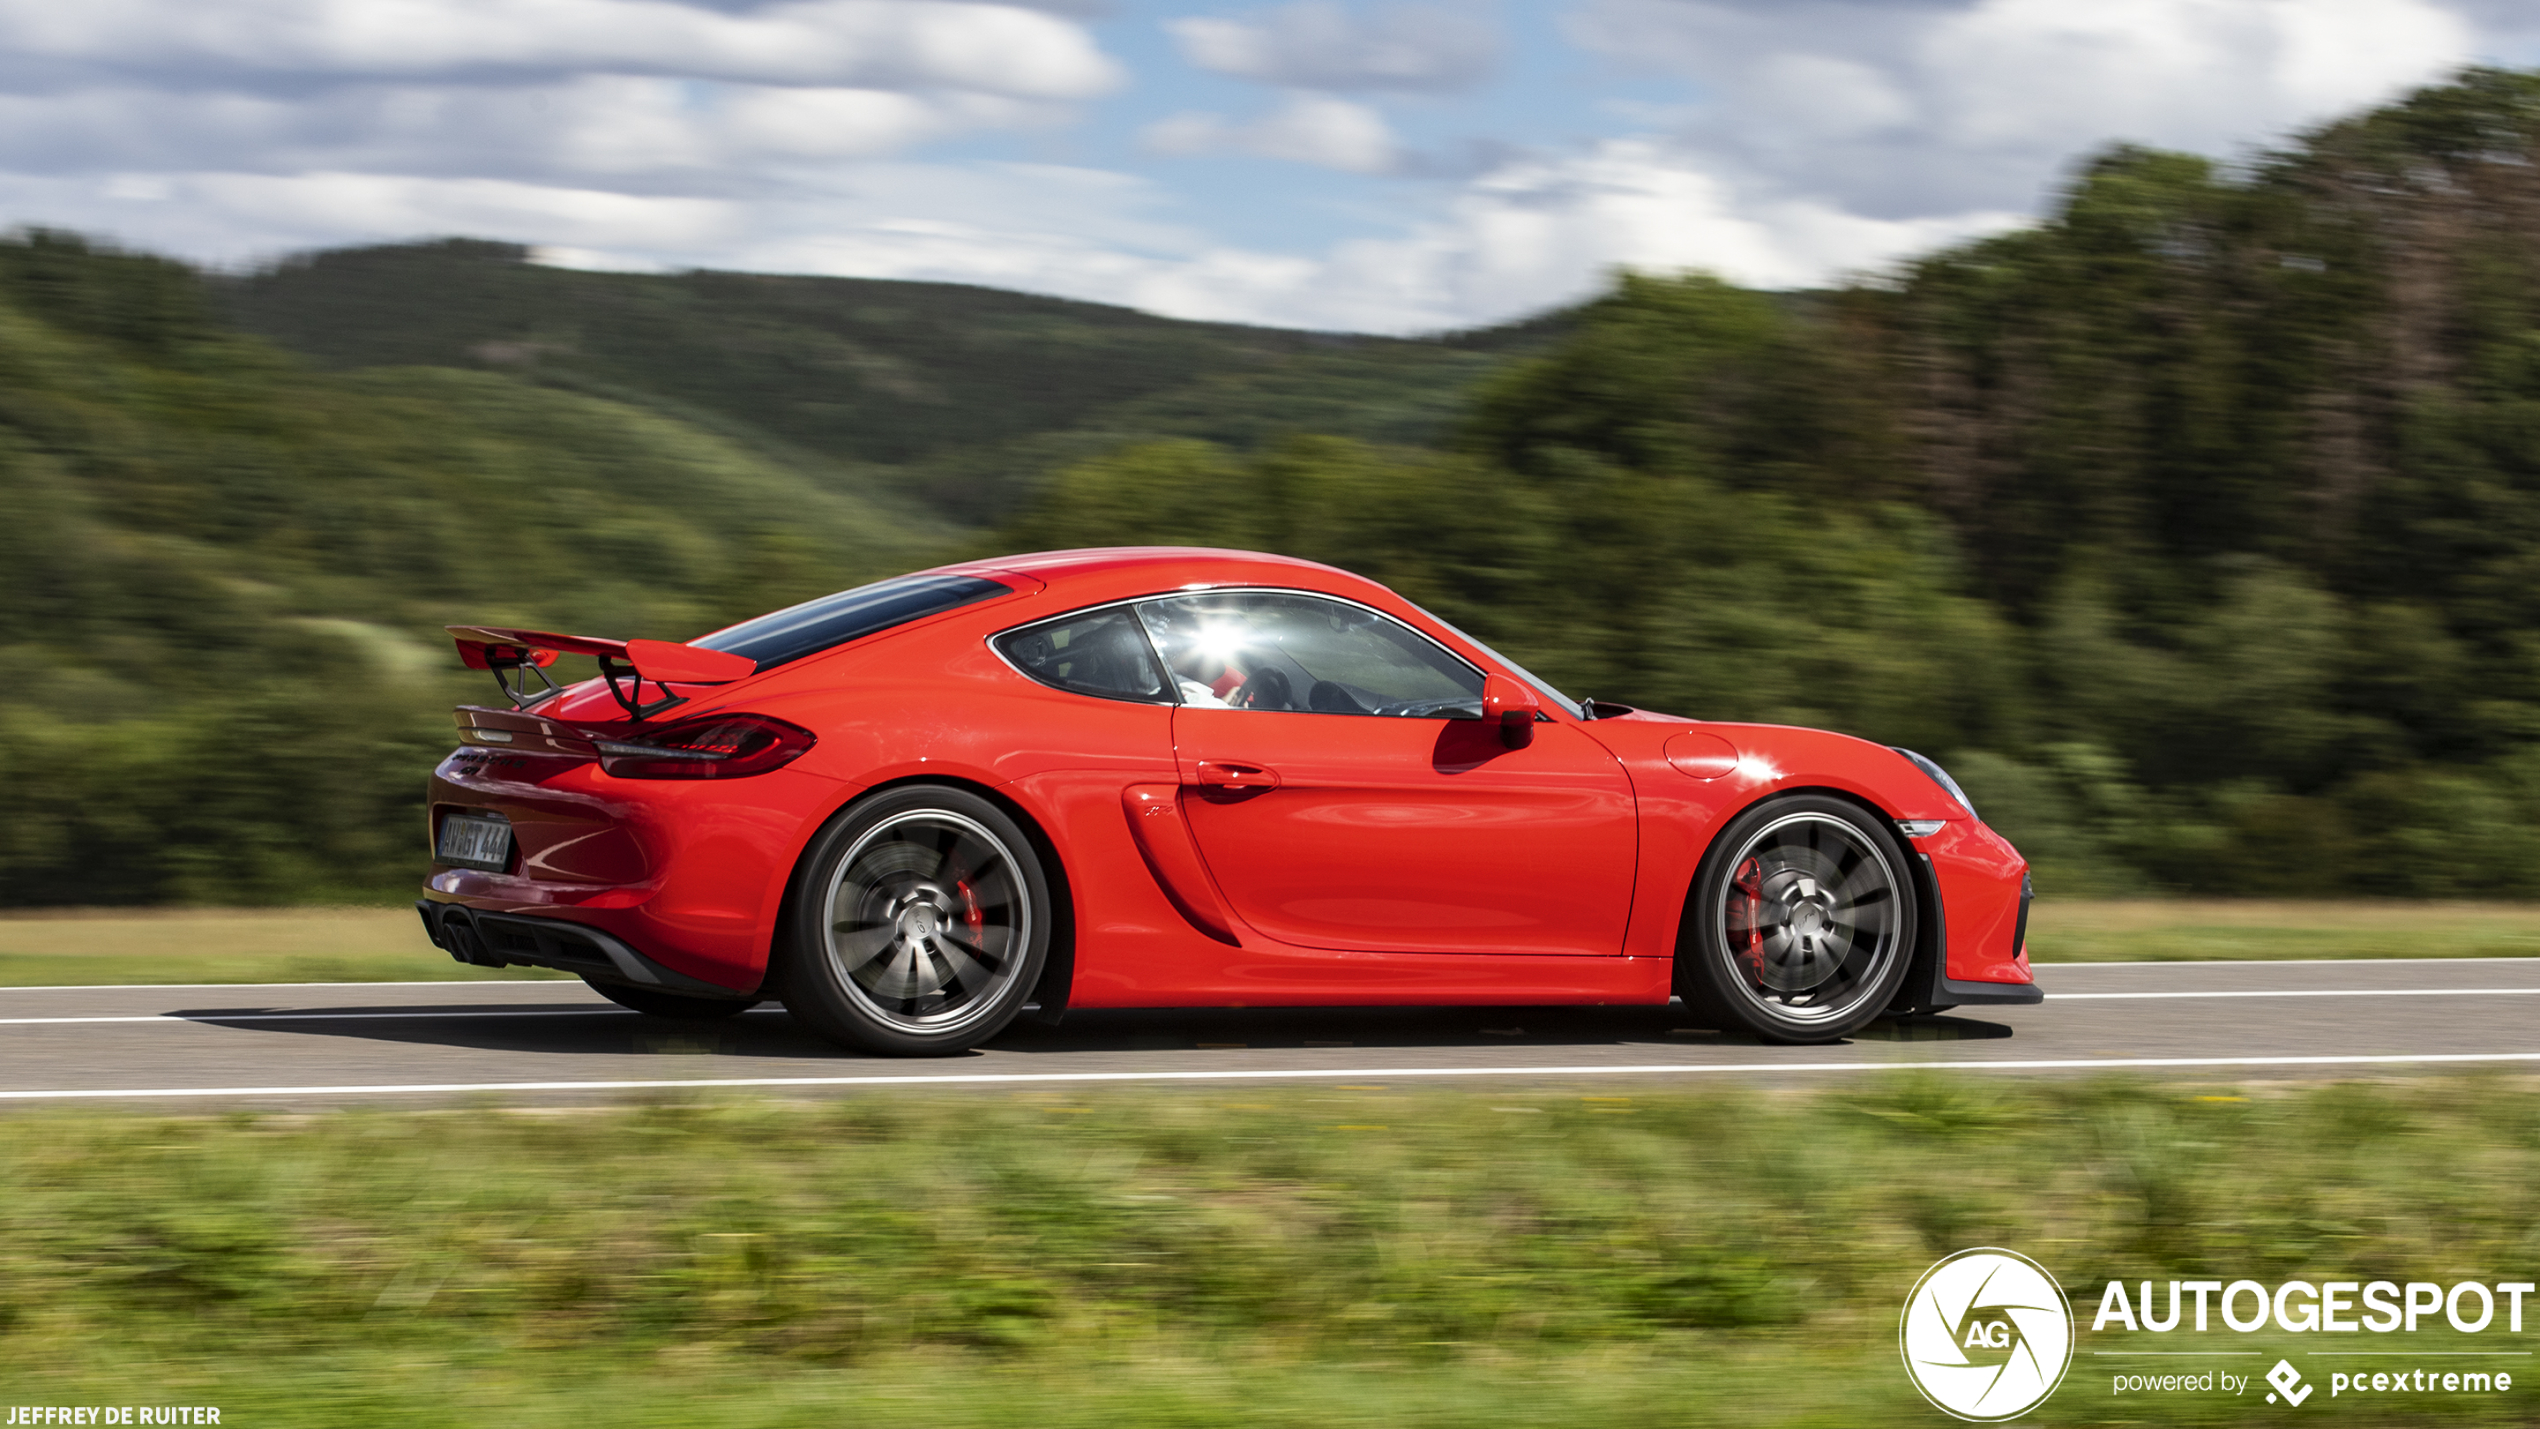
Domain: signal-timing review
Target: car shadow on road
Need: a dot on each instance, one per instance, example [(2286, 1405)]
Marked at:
[(769, 1033), (1231, 1028), (531, 1027)]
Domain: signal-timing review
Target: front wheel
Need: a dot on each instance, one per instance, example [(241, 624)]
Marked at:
[(919, 924), (1801, 925)]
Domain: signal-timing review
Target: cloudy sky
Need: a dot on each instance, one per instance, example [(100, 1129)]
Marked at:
[(1376, 165)]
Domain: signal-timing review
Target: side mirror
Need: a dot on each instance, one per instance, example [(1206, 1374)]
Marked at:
[(1512, 706)]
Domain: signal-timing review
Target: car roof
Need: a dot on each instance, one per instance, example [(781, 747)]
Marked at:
[(1109, 572)]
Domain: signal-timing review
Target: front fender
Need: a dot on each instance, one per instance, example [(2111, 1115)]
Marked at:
[(1685, 800)]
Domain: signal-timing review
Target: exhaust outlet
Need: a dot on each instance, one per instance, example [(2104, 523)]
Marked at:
[(458, 935)]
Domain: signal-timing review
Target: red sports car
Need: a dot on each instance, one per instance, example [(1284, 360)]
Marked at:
[(1172, 777)]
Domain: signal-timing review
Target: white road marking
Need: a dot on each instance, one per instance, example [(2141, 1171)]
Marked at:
[(180, 1018), (1269, 1074), (428, 982), (2269, 963)]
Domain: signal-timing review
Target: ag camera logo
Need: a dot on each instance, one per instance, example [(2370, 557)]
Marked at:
[(1986, 1335)]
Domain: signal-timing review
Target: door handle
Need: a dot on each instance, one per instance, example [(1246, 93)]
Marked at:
[(1227, 774)]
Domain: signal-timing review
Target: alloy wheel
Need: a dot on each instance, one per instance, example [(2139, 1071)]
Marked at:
[(928, 920), (1811, 918)]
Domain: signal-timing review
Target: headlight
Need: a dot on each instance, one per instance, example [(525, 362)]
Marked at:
[(1940, 777)]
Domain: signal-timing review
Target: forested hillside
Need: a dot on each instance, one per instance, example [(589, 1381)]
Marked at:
[(2195, 528), (958, 396)]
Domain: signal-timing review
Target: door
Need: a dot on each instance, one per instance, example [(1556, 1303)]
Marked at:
[(1345, 792)]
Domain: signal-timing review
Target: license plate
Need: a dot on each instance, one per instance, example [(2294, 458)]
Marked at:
[(475, 841)]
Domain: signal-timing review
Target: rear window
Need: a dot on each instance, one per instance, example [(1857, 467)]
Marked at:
[(832, 620)]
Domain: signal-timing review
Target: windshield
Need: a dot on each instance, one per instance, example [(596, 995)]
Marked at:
[(833, 620)]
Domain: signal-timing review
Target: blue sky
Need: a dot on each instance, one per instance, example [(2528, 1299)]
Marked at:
[(1374, 165), (1535, 89)]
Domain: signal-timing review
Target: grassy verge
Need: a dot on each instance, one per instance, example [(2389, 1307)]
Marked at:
[(386, 944), (78, 947), (2191, 929), (1305, 1257)]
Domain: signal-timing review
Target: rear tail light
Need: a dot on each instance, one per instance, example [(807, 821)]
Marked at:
[(716, 747)]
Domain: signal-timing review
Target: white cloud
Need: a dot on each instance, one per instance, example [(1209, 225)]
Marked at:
[(1545, 231), (1315, 129), (587, 129), (1319, 129), (579, 95), (1075, 232), (2201, 73), (383, 205), (857, 123), (615, 132), (615, 125), (1315, 44), (1835, 98), (238, 217), (892, 44), (1905, 109), (1527, 235)]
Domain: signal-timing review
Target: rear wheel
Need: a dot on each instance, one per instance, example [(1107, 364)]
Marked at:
[(920, 922), (1802, 922), (671, 1004)]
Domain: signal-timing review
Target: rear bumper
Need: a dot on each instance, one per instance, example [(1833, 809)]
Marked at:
[(672, 884), (495, 940)]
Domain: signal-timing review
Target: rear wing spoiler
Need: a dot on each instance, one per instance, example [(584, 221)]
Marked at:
[(513, 655)]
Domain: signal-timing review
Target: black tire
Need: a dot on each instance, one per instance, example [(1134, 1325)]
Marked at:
[(918, 925), (1801, 925), (653, 1003)]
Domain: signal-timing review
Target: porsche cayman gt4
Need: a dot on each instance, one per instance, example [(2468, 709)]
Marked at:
[(1170, 777)]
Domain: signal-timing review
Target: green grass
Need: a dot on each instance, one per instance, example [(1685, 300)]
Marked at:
[(83, 947), (127, 946), (1303, 1257), (2201, 929)]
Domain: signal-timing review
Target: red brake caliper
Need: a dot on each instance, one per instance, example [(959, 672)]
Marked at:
[(1750, 885)]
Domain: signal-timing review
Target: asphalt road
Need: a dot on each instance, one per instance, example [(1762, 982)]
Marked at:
[(305, 1045)]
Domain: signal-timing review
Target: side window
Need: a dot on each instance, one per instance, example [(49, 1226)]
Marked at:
[(1268, 650), (1102, 653)]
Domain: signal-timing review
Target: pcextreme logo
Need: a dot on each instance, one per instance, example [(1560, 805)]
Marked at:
[(1986, 1335)]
